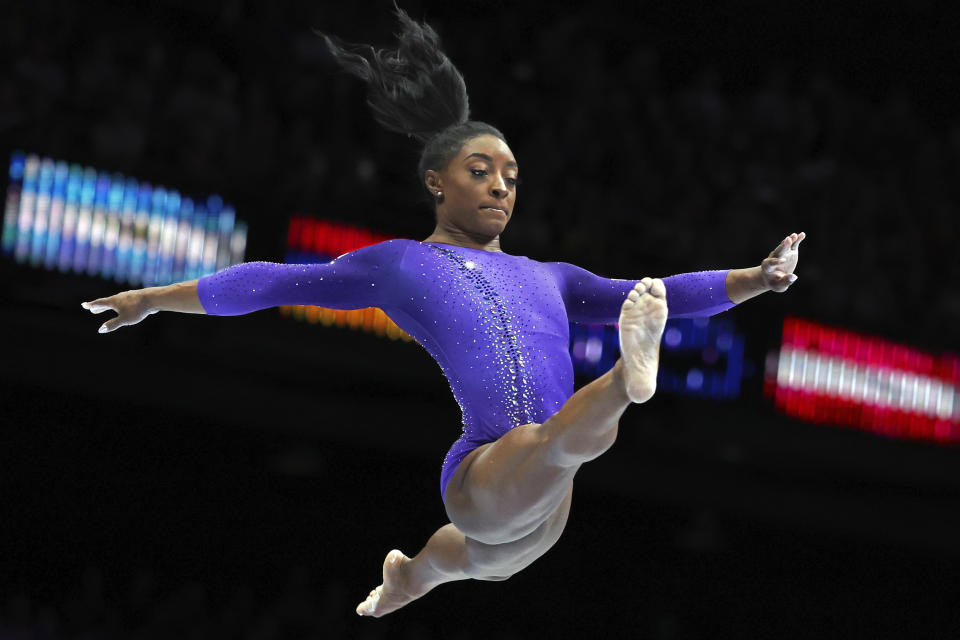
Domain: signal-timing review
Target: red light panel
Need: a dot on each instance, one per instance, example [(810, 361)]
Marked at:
[(835, 376)]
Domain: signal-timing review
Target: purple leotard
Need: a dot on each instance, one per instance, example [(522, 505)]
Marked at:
[(497, 324)]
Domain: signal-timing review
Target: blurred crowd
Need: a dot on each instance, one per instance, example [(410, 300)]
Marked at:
[(96, 609), (626, 172)]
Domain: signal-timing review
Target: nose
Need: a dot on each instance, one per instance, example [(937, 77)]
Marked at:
[(499, 188)]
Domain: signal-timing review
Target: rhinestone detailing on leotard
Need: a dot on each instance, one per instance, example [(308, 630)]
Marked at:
[(498, 327)]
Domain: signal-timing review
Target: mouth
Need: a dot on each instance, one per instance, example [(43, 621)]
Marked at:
[(497, 209)]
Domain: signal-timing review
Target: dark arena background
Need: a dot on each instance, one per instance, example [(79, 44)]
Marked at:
[(243, 477)]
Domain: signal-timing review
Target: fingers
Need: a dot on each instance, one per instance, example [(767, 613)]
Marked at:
[(783, 247), (105, 304), (97, 306), (776, 279), (780, 281), (100, 309), (788, 243), (770, 264), (110, 325)]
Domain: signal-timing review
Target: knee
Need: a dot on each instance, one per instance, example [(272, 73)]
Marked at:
[(573, 449), (606, 440)]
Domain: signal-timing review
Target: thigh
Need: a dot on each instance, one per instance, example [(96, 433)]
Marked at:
[(504, 490), (500, 561)]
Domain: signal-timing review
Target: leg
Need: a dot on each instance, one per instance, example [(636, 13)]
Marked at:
[(499, 525), (449, 555), (505, 489)]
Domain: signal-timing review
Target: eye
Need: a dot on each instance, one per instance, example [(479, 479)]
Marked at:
[(482, 172)]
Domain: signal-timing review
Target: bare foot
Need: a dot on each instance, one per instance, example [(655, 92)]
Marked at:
[(642, 318), (397, 588)]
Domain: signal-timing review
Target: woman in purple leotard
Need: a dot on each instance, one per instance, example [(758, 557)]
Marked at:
[(496, 323)]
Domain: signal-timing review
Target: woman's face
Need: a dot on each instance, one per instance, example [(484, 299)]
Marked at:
[(481, 179)]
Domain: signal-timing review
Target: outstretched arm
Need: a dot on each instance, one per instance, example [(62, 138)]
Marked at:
[(775, 273), (355, 280), (593, 299)]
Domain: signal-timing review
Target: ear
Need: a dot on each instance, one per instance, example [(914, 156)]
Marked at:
[(433, 180)]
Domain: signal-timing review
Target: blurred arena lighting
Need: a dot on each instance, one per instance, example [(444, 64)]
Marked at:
[(703, 356), (699, 356), (311, 240), (834, 376), (71, 218)]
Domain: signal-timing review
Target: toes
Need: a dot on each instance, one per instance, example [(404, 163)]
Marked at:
[(638, 290), (653, 286), (658, 289), (369, 606)]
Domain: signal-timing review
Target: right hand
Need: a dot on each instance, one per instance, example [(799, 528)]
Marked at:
[(131, 307)]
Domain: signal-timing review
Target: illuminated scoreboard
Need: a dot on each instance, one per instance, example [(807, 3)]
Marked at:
[(834, 376), (69, 218)]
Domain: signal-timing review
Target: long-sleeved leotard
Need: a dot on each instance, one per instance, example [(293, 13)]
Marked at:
[(497, 324)]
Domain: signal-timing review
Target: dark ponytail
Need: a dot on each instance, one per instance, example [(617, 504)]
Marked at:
[(415, 90)]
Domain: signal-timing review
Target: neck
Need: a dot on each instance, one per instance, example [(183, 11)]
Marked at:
[(461, 239)]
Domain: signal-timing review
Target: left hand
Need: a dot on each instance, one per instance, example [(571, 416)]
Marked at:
[(776, 270)]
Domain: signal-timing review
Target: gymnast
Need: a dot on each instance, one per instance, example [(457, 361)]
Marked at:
[(496, 323)]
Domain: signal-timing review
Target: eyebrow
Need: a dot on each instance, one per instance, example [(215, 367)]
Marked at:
[(489, 159)]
